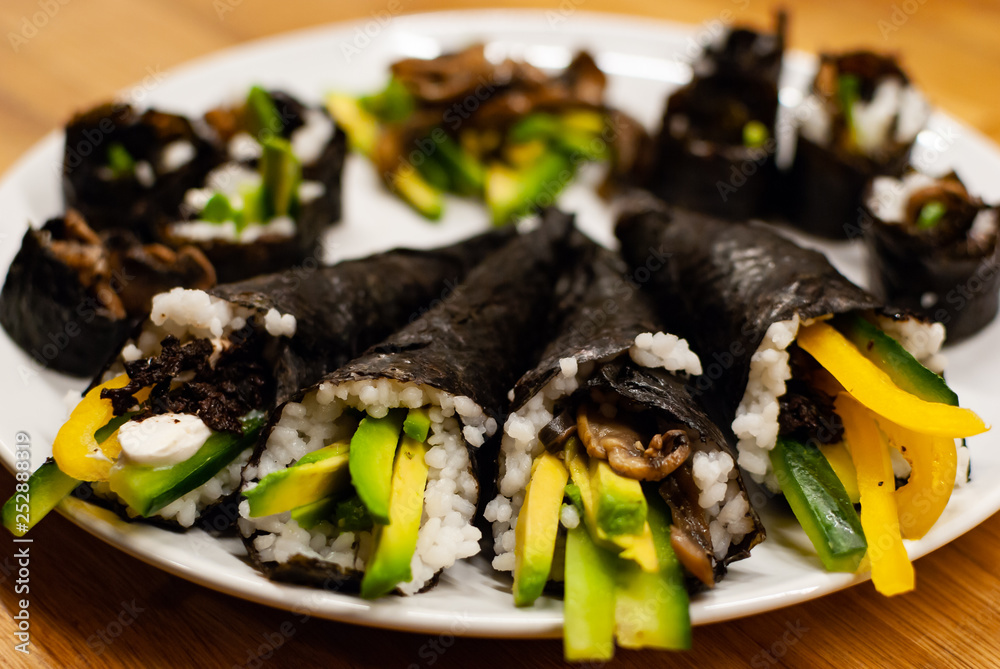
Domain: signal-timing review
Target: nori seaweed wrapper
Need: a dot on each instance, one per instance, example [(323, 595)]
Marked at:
[(822, 190), (945, 272), (702, 161), (71, 296), (609, 313), (476, 343), (130, 201), (721, 285), (342, 309), (271, 253)]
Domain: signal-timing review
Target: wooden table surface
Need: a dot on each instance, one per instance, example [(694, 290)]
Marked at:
[(91, 605)]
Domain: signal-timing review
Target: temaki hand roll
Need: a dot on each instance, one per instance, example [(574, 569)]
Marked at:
[(716, 148), (123, 168), (278, 190), (864, 117), (73, 295), (368, 475), (827, 392), (933, 249), (164, 433), (607, 412)]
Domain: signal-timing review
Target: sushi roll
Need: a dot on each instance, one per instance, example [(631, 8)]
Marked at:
[(72, 295), (715, 151), (123, 168), (832, 398), (932, 248), (163, 434), (864, 115), (367, 480), (266, 206), (602, 436)]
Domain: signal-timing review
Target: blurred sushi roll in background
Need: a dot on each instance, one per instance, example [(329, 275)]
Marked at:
[(164, 431), (864, 115), (933, 249), (716, 147), (368, 478)]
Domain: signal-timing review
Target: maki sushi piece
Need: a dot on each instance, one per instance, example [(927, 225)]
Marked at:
[(932, 248), (164, 432), (495, 129), (266, 205), (123, 168), (367, 480), (864, 117), (833, 399), (715, 151), (609, 471), (72, 295)]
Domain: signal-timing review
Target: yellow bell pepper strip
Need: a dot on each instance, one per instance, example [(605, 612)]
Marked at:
[(840, 460), (892, 572), (636, 547), (75, 449), (874, 389), (537, 528), (934, 462)]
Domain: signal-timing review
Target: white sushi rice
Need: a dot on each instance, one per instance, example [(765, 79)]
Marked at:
[(520, 446), (185, 510), (446, 530), (889, 196), (756, 423)]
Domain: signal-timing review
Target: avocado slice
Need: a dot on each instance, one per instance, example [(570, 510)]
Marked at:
[(651, 609), (621, 506), (889, 355), (373, 448), (351, 515), (512, 193), (466, 173), (46, 488), (147, 489), (309, 480), (820, 504), (396, 542), (262, 117), (310, 515), (537, 527), (417, 424), (360, 125), (639, 547), (589, 600), (281, 175), (418, 193)]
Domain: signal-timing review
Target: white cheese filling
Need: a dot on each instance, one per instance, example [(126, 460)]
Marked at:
[(163, 440)]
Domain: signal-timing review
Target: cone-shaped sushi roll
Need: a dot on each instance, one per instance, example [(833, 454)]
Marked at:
[(72, 295), (716, 148), (602, 433), (164, 433), (123, 168), (832, 398), (932, 248), (266, 206), (367, 479), (862, 118)]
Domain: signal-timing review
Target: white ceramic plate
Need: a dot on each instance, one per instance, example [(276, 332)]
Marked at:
[(644, 59)]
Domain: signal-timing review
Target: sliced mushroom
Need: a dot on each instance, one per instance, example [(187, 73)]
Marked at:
[(626, 450), (690, 536), (558, 430)]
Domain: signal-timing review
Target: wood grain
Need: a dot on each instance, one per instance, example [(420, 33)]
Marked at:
[(92, 606)]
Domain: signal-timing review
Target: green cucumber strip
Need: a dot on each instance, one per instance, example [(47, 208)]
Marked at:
[(820, 503), (435, 172), (120, 161), (467, 174), (848, 92), (281, 175), (930, 215), (417, 424), (352, 515), (373, 449), (47, 486), (309, 516), (261, 114), (102, 433), (392, 104), (651, 610), (589, 600), (889, 356), (146, 489)]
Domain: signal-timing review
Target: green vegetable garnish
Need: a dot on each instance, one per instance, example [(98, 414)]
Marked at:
[(754, 134), (102, 434), (281, 173), (849, 92), (120, 161), (262, 115), (391, 105), (218, 209), (930, 215)]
